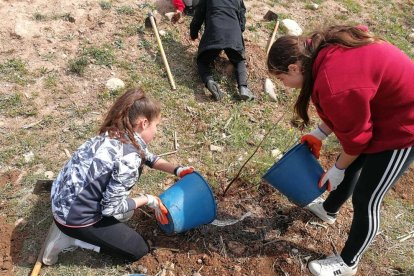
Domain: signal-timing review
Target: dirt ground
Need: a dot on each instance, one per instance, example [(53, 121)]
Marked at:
[(277, 239)]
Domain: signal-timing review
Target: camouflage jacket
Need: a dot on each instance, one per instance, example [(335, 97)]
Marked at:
[(97, 181)]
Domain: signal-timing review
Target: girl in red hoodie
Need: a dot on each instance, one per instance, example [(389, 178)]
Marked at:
[(363, 90)]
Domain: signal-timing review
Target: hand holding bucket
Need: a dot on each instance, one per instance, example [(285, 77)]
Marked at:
[(296, 175), (190, 203), (159, 209)]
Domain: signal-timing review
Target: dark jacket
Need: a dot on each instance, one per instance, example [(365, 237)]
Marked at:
[(224, 22)]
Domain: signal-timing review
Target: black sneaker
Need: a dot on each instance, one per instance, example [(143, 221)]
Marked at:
[(213, 87), (189, 11), (246, 94)]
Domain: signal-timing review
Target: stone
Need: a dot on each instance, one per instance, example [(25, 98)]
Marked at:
[(276, 153), (25, 29), (28, 156), (142, 269), (216, 148), (49, 174), (115, 84), (314, 6), (269, 88), (162, 33), (292, 27)]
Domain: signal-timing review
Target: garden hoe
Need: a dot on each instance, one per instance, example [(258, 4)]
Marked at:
[(151, 21)]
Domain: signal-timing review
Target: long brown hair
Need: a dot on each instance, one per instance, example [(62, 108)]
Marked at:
[(289, 49), (120, 120)]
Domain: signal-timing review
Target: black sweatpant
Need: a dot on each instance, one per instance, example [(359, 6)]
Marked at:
[(367, 179), (113, 237), (206, 59)]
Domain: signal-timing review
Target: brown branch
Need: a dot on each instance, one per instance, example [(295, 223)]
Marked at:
[(251, 156)]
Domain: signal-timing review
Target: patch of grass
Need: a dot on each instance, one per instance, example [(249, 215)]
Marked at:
[(105, 5), (50, 82), (39, 17), (352, 6), (394, 24), (133, 29), (78, 65), (65, 17), (101, 55), (255, 27), (119, 43), (127, 10), (111, 94), (14, 105), (144, 44), (14, 70)]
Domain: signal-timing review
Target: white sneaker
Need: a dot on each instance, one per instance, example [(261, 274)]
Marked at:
[(316, 207), (331, 266), (56, 242), (124, 216)]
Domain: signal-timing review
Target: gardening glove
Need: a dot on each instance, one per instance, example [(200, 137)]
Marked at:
[(314, 141), (160, 210), (181, 171), (176, 17), (333, 177)]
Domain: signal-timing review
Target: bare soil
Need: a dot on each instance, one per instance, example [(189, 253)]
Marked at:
[(279, 238)]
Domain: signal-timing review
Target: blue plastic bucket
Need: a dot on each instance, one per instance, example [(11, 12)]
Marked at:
[(190, 203), (296, 175)]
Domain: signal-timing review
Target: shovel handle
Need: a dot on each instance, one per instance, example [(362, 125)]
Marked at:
[(38, 264), (272, 39), (164, 58)]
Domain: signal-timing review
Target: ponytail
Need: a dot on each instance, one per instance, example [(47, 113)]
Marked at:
[(289, 49), (121, 118)]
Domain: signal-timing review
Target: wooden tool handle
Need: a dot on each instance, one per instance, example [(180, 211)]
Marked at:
[(272, 39), (164, 58), (38, 264)]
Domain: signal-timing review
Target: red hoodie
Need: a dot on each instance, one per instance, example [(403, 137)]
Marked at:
[(179, 5), (366, 96)]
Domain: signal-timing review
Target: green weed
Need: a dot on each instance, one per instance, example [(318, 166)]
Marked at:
[(352, 6), (39, 17), (101, 55), (105, 5), (14, 70), (14, 105), (132, 30), (78, 65), (127, 10), (50, 81)]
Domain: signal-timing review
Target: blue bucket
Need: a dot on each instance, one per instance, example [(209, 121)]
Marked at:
[(190, 203), (296, 175)]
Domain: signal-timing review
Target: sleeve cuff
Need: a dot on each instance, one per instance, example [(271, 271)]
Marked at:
[(131, 204)]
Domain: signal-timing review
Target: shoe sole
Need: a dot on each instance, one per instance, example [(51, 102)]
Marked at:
[(246, 98), (321, 218)]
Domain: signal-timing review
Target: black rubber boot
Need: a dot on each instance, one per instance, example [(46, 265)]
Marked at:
[(213, 87), (189, 11), (246, 94)]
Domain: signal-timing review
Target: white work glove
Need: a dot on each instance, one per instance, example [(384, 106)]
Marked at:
[(160, 210), (333, 176), (182, 171)]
